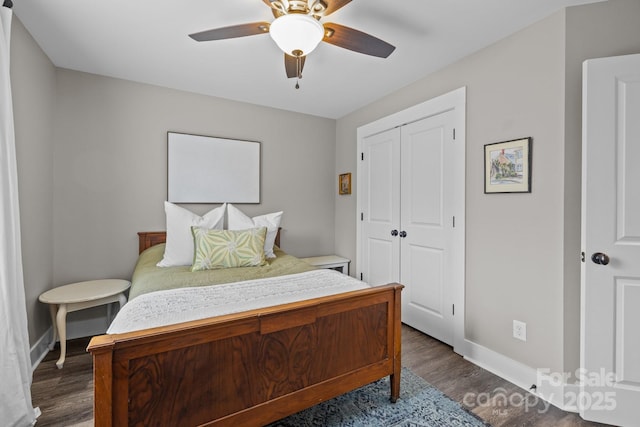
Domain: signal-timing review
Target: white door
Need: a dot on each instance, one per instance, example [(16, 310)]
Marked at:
[(407, 221), (610, 306), (426, 225), (380, 201)]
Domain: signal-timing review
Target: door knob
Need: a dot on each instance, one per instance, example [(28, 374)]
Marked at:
[(394, 232), (403, 234), (600, 258)]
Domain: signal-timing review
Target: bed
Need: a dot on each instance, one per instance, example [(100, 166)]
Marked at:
[(249, 367)]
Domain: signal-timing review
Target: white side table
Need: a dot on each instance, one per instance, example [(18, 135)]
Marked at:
[(78, 296), (334, 262)]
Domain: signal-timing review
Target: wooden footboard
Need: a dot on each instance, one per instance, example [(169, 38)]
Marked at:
[(249, 368)]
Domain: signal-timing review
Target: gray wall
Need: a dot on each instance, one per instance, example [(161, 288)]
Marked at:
[(522, 250), (110, 169), (514, 89), (33, 87), (92, 170)]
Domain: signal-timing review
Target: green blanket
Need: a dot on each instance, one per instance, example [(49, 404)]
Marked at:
[(147, 277)]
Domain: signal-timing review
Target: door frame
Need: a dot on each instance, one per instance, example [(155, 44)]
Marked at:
[(451, 101)]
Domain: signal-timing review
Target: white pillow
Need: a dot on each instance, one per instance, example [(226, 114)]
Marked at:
[(239, 221), (179, 247)]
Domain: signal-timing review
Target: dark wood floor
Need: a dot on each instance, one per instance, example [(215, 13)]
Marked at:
[(65, 396)]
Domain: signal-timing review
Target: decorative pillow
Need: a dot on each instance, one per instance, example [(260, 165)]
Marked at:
[(179, 247), (228, 248), (239, 221)]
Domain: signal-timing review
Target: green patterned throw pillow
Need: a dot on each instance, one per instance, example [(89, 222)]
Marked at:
[(228, 248)]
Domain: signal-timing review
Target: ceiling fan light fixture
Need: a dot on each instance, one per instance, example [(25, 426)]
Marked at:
[(296, 32)]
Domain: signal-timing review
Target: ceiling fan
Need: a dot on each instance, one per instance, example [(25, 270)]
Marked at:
[(297, 31)]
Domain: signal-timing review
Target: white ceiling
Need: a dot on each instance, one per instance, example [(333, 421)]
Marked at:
[(146, 41)]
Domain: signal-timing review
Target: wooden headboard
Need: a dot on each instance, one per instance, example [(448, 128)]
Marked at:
[(146, 239)]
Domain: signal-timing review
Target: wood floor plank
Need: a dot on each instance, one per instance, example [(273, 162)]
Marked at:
[(65, 396), (450, 373)]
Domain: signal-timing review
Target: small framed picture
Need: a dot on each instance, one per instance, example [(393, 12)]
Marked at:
[(507, 166), (344, 183)]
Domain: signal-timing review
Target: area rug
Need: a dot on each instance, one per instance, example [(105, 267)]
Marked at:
[(420, 405)]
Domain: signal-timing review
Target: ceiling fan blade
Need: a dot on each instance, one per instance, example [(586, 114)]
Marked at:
[(357, 41), (333, 5), (232, 32), (291, 65)]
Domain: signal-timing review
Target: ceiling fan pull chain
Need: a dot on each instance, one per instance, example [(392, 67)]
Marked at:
[(298, 55)]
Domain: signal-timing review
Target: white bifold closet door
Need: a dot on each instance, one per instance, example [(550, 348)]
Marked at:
[(407, 219)]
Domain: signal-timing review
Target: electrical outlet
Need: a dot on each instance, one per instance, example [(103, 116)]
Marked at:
[(519, 330)]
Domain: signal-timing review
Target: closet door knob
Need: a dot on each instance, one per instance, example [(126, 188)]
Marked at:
[(600, 258), (403, 233), (394, 232)]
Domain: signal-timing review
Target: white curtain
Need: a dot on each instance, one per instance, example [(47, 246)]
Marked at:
[(15, 365)]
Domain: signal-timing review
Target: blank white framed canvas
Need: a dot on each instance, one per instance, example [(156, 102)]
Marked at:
[(205, 169)]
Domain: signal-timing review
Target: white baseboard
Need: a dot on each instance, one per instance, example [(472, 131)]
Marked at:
[(548, 388), (559, 393), (40, 349), (75, 329), (511, 370)]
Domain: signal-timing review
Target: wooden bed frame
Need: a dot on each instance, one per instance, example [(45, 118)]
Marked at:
[(249, 368)]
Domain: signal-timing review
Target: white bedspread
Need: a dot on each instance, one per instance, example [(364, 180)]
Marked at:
[(181, 305)]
